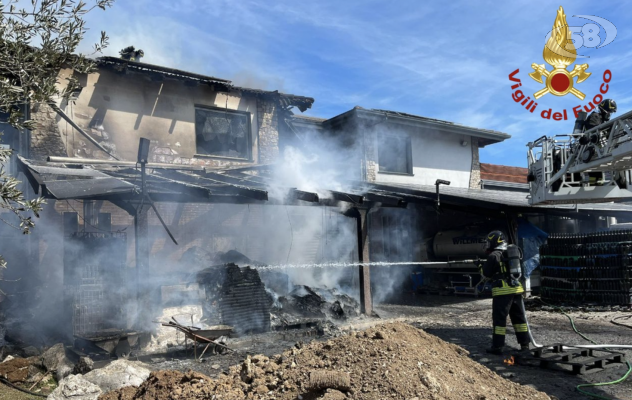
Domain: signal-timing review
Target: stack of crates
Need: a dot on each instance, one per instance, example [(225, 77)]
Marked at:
[(592, 268)]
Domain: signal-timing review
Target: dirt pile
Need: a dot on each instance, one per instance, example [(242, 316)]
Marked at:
[(15, 370), (389, 361), (27, 373)]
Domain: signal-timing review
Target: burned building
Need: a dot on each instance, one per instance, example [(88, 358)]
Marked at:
[(193, 122), (452, 199), (221, 174)]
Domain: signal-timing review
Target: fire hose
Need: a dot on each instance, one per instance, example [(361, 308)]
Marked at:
[(6, 382), (593, 346)]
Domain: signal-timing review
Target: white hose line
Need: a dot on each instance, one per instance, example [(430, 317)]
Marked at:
[(599, 346), (579, 346), (524, 312)]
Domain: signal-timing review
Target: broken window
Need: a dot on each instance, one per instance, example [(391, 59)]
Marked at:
[(223, 133), (394, 153)]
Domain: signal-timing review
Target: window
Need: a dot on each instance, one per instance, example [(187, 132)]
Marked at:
[(223, 133), (394, 153)]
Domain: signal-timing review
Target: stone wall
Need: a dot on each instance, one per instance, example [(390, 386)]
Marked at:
[(370, 156), (475, 177), (268, 121), (46, 138)]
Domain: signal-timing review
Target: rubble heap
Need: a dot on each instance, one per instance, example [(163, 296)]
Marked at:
[(235, 297), (388, 361)]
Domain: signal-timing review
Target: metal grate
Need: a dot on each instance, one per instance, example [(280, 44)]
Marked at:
[(94, 267), (89, 309)]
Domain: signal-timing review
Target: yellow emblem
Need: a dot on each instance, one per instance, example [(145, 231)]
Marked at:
[(559, 52)]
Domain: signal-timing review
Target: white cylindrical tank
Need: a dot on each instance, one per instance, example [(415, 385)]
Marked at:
[(460, 243)]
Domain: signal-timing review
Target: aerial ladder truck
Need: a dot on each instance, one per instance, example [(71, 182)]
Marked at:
[(582, 167)]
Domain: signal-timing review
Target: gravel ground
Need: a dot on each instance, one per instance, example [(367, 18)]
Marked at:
[(467, 322)]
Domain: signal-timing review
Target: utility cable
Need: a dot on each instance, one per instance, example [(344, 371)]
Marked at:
[(586, 385)]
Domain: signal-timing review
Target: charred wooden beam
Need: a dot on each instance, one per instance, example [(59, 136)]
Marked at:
[(231, 179), (333, 203), (219, 198), (156, 183), (247, 177), (305, 196), (345, 197), (252, 167), (386, 200), (72, 123), (33, 177), (114, 163), (228, 188)]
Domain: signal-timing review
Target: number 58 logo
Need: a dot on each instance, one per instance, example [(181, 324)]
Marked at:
[(589, 35)]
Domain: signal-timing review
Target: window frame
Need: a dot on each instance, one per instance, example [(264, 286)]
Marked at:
[(250, 136), (381, 138)]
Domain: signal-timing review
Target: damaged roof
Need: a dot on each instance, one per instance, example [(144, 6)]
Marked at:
[(285, 100), (488, 134), (239, 185), (502, 200), (120, 183), (377, 116)]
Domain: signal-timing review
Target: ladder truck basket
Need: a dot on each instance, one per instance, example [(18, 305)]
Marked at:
[(582, 167)]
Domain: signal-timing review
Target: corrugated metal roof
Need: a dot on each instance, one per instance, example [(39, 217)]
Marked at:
[(235, 186), (498, 199)]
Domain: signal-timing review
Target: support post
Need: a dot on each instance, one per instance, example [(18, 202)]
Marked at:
[(141, 231), (366, 303), (141, 241)]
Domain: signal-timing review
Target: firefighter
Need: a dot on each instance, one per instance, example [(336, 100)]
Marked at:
[(506, 293), (598, 117)]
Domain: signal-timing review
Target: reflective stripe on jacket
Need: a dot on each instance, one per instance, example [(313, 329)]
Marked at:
[(500, 287)]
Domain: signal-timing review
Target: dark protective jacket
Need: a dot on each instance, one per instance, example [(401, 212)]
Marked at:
[(496, 270), (595, 118)]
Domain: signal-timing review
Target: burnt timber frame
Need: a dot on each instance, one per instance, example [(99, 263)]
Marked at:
[(235, 185)]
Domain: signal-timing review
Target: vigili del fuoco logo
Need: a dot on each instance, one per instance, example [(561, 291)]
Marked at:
[(560, 51)]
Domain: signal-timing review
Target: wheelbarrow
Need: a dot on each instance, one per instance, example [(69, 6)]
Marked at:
[(209, 336)]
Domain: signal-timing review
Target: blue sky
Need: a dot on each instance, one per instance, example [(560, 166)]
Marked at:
[(446, 60)]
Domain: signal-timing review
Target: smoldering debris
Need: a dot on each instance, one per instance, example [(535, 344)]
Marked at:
[(235, 297), (305, 305), (253, 300)]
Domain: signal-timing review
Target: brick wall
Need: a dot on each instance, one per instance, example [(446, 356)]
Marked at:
[(475, 177), (46, 139), (190, 224)]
